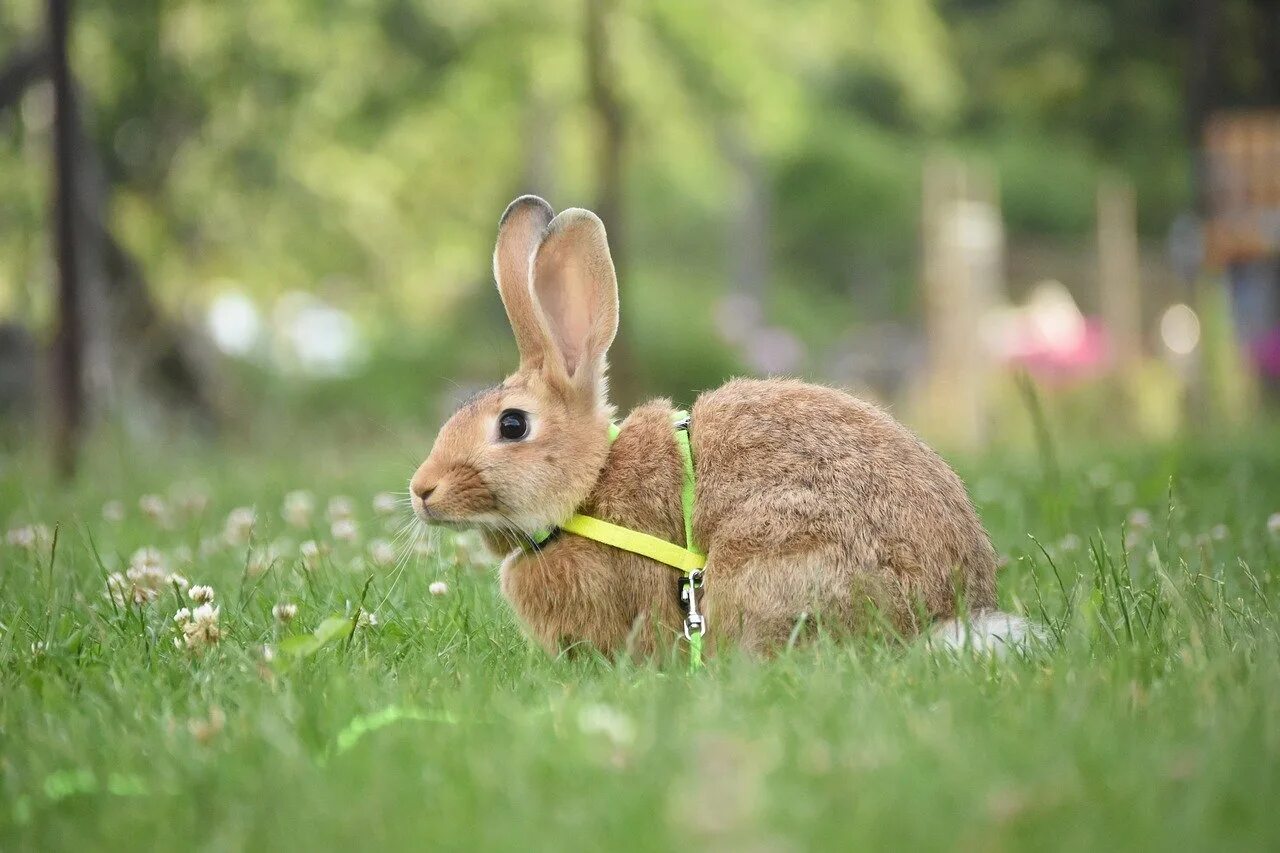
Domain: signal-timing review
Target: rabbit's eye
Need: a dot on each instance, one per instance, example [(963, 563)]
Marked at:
[(513, 425)]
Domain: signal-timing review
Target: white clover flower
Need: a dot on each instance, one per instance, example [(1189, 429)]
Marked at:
[(148, 559), (268, 653), (367, 619), (154, 508), (299, 507), (438, 588), (261, 559), (135, 586), (190, 499), (203, 630), (341, 508), (1139, 520), (607, 721), (113, 511), (1101, 477), (22, 537), (183, 615), (1069, 543), (149, 577), (1273, 524), (344, 530), (142, 582), (30, 537), (205, 615), (385, 503), (1219, 532), (312, 552), (284, 611), (200, 594), (257, 563), (382, 552), (118, 589), (239, 526)]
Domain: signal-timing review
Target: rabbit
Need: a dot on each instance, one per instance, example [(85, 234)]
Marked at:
[(812, 506)]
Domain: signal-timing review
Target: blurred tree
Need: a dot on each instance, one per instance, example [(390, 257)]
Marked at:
[(69, 339), (360, 150), (108, 326)]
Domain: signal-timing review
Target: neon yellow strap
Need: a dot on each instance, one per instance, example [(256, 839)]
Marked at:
[(635, 542), (695, 652), (688, 488), (688, 559)]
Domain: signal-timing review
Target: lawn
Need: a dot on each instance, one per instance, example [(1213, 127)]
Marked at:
[(1151, 721)]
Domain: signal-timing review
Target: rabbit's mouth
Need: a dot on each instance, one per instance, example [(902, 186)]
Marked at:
[(459, 496), (462, 524)]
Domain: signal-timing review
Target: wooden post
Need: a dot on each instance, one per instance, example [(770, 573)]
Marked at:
[(68, 369), (1119, 272), (963, 280)]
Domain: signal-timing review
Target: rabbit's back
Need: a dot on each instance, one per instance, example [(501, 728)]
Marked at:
[(788, 468)]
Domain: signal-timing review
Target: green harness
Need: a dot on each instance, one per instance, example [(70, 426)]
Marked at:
[(689, 560)]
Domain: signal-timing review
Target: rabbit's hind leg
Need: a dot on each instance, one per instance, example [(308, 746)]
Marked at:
[(764, 603)]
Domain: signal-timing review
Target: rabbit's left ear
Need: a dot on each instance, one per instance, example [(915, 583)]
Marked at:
[(576, 289), (519, 231)]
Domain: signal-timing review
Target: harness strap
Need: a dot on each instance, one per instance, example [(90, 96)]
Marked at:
[(635, 542), (687, 488), (689, 560)]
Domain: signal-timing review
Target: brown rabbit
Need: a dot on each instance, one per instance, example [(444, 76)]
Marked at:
[(808, 500)]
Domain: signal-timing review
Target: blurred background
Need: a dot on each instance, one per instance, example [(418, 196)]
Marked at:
[(994, 216)]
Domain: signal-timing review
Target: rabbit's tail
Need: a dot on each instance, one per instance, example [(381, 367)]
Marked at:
[(990, 631)]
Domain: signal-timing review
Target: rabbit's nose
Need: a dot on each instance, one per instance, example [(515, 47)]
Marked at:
[(424, 483)]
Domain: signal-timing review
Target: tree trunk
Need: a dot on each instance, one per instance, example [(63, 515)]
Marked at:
[(120, 333), (610, 176), (1202, 90), (23, 68), (68, 343)]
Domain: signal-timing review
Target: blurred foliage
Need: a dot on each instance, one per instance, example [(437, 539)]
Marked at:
[(361, 150)]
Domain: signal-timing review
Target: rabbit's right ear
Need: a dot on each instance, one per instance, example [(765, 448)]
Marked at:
[(519, 232)]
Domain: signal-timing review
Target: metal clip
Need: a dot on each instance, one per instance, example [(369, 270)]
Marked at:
[(694, 621)]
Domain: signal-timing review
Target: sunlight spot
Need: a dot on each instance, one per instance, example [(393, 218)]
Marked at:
[(1180, 329)]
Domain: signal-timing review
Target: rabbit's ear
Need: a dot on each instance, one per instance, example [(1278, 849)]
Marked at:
[(575, 287), (519, 231)]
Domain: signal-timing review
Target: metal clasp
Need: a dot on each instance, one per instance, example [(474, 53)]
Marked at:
[(694, 621)]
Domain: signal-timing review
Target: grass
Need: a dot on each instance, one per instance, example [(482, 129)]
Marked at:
[(1152, 722)]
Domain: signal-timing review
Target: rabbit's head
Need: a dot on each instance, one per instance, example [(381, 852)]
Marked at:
[(524, 455)]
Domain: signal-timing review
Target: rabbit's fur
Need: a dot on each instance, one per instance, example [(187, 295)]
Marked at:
[(809, 501)]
